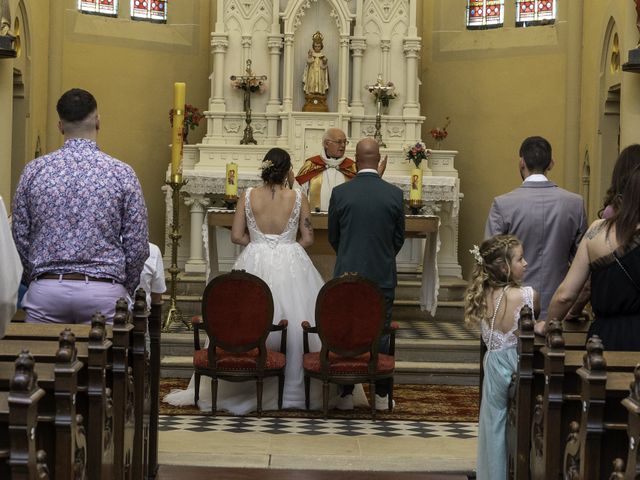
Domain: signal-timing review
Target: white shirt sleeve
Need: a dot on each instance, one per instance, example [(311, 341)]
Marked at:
[(10, 272)]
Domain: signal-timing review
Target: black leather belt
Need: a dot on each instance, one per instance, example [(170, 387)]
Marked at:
[(73, 276)]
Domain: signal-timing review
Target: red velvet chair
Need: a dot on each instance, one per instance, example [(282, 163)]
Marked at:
[(237, 314), (350, 313)]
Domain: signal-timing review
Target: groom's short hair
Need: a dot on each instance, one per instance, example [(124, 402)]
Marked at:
[(536, 153)]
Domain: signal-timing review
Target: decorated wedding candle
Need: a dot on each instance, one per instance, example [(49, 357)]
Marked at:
[(415, 191), (231, 185), (176, 131)]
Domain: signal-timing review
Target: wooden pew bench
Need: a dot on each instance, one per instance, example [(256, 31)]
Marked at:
[(600, 435), (135, 403), (19, 426)]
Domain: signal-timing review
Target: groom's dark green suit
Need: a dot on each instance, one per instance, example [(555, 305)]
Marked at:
[(366, 229)]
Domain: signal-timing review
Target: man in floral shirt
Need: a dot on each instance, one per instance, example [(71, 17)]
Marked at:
[(79, 223)]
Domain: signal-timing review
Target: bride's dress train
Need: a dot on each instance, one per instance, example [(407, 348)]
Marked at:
[(294, 282)]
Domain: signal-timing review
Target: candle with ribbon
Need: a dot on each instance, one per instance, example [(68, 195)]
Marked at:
[(415, 190), (179, 89), (416, 153), (231, 184)]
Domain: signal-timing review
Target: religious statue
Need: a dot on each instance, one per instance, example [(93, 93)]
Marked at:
[(5, 18), (315, 78)]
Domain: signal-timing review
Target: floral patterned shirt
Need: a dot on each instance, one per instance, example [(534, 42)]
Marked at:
[(78, 210)]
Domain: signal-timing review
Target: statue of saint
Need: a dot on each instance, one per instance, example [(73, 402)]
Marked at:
[(315, 79), (316, 72), (5, 18)]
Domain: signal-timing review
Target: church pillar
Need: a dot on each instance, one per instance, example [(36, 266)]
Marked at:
[(273, 105), (197, 212), (358, 45), (287, 93), (385, 46), (246, 48), (411, 47), (219, 44), (343, 106)]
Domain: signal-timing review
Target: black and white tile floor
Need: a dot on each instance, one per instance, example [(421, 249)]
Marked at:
[(314, 426)]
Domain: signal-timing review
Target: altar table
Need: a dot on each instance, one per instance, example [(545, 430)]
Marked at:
[(416, 226)]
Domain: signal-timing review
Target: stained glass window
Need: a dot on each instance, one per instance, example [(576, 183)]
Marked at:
[(535, 12), (153, 10), (485, 13), (100, 7)]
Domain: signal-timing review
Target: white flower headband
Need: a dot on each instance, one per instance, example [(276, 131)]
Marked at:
[(475, 251)]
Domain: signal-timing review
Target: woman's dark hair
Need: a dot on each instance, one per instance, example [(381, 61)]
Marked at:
[(627, 217), (75, 105), (628, 159), (276, 166)]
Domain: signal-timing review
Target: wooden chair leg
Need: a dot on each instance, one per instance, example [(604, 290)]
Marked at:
[(325, 398), (372, 394), (214, 395), (196, 394), (307, 386), (280, 390), (259, 385)]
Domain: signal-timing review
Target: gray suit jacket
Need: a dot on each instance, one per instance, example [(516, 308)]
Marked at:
[(550, 222)]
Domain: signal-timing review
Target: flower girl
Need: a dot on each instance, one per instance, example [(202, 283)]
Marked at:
[(494, 299)]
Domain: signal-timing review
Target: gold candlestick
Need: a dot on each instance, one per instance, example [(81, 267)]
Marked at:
[(174, 312)]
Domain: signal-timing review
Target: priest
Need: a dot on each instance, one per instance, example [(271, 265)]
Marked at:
[(320, 174)]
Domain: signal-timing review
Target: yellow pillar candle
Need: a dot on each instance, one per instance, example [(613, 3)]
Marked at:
[(231, 185), (415, 192), (176, 132)]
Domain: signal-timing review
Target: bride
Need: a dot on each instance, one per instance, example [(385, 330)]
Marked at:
[(266, 222)]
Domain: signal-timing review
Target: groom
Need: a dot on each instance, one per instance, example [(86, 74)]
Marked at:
[(366, 229)]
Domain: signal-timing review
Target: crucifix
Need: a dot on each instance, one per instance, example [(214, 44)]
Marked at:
[(249, 83), (383, 93)]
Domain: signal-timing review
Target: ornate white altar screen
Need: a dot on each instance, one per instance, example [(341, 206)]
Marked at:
[(362, 39)]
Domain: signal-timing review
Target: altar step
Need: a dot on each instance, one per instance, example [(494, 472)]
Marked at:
[(429, 350)]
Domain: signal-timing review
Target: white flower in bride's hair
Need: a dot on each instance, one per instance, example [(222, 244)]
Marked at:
[(266, 164), (475, 251)]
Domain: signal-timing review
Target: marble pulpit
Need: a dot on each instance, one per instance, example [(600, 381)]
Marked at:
[(363, 40)]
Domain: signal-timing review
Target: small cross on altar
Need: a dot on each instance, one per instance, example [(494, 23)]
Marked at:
[(383, 92), (249, 83)]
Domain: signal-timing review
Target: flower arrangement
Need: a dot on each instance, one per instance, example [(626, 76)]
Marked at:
[(383, 92), (440, 133), (417, 153), (250, 83), (192, 116)]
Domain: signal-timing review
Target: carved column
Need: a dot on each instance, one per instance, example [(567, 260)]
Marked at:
[(385, 47), (343, 106), (246, 48), (358, 46), (273, 106), (197, 212), (219, 44), (287, 91), (411, 47)]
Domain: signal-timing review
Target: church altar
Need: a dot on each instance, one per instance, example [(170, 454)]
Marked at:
[(363, 40)]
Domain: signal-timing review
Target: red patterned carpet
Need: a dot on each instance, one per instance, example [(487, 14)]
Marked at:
[(433, 403)]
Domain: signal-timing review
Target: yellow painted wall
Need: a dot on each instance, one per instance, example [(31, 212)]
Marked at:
[(498, 86)]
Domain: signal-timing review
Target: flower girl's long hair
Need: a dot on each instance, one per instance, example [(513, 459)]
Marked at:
[(492, 269)]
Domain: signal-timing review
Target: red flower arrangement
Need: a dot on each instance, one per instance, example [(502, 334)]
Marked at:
[(192, 117), (440, 133)]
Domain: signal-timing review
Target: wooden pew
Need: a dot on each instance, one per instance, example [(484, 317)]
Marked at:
[(600, 435), (61, 431), (632, 404), (97, 403), (18, 422), (530, 383), (126, 360)]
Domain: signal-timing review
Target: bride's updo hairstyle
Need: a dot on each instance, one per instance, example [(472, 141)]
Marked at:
[(276, 166)]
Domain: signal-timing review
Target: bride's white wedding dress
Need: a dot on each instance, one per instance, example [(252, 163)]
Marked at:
[(294, 282)]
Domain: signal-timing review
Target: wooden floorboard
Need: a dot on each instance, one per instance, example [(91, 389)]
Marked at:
[(181, 472)]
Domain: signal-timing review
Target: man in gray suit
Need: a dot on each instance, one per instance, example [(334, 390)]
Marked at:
[(366, 229), (549, 220)]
